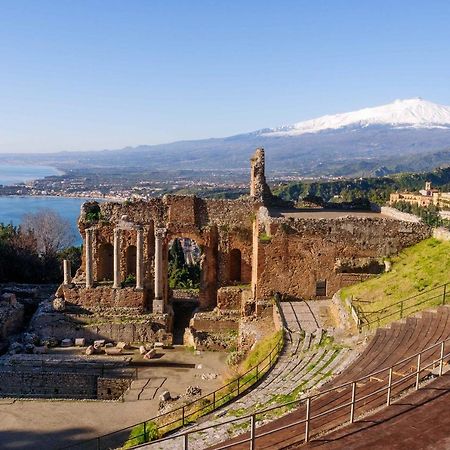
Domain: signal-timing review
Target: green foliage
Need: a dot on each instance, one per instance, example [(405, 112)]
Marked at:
[(429, 214), (376, 189), (130, 279), (72, 254), (22, 262), (137, 435), (181, 274), (264, 237)]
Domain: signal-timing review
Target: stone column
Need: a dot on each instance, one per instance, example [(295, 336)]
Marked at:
[(158, 302), (140, 259), (67, 272), (88, 245), (116, 269)]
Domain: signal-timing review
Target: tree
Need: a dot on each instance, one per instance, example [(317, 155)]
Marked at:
[(52, 232)]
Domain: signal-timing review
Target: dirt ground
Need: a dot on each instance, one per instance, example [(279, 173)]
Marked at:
[(52, 424)]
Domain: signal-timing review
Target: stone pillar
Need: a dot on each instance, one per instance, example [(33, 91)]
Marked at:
[(116, 269), (67, 272), (140, 259), (158, 302), (88, 249)]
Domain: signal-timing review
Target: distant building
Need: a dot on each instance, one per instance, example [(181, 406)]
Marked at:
[(425, 197)]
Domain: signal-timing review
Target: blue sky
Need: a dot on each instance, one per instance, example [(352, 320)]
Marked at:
[(87, 74)]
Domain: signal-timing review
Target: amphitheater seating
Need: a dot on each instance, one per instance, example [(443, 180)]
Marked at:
[(388, 347)]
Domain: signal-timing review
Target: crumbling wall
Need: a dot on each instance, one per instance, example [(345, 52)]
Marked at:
[(299, 253)]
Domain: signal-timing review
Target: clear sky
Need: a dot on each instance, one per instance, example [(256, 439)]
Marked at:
[(88, 74)]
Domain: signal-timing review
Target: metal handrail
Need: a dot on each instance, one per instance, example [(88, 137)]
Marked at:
[(308, 400), (398, 308)]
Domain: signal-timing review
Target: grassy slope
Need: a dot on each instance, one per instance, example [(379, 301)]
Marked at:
[(417, 269)]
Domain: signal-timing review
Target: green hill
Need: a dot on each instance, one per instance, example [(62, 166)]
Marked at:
[(418, 271)]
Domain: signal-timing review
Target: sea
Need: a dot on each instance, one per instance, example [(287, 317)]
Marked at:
[(12, 208)]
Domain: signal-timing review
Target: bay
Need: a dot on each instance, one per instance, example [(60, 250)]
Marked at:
[(12, 209), (13, 174)]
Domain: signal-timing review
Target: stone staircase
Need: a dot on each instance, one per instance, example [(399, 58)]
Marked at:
[(308, 360)]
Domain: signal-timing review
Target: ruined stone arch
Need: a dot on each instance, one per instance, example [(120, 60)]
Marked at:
[(105, 266)]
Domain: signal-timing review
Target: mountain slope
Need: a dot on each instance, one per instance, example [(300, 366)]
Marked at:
[(405, 135)]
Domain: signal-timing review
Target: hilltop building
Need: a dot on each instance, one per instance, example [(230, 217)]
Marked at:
[(424, 198)]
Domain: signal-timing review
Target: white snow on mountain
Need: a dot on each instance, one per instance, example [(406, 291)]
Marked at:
[(409, 113)]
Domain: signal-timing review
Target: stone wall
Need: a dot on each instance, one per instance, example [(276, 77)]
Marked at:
[(301, 252), (103, 296), (111, 388), (47, 384)]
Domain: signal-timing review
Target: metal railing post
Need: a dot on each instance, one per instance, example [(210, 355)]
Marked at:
[(352, 406), (252, 432), (389, 389), (186, 441), (182, 415), (418, 370), (308, 415), (441, 359), (214, 400), (98, 443)]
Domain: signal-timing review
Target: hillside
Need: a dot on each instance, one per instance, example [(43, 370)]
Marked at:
[(416, 270), (406, 135), (376, 189)]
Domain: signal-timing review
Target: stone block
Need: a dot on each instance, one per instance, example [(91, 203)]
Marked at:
[(90, 350), (122, 345), (165, 396), (99, 343), (150, 354), (158, 345), (66, 343), (142, 350), (80, 342), (113, 351)]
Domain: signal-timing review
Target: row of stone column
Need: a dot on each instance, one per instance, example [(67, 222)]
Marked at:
[(116, 261)]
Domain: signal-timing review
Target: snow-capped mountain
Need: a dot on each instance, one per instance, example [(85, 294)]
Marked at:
[(406, 135), (409, 113)]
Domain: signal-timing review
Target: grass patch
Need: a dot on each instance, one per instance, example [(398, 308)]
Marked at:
[(261, 350), (417, 269), (140, 436)]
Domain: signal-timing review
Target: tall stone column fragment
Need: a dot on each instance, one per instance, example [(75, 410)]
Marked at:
[(140, 259), (88, 249), (158, 302), (67, 272), (116, 283)]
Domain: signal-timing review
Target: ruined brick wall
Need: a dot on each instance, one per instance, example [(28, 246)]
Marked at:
[(301, 252), (219, 227), (103, 296)]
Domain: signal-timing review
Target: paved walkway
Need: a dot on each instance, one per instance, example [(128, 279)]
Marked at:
[(52, 424)]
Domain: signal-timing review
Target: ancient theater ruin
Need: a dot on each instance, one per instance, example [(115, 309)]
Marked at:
[(252, 248)]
